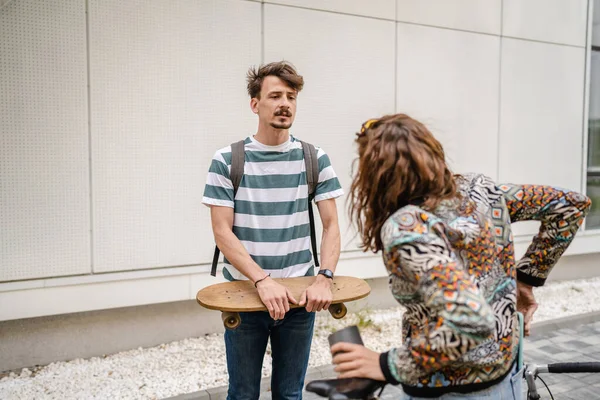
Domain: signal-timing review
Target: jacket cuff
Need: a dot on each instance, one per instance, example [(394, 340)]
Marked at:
[(383, 364), (530, 280)]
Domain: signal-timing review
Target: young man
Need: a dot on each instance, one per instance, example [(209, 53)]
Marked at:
[(264, 233)]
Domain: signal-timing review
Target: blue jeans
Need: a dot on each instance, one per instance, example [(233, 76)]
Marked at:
[(510, 388), (290, 347)]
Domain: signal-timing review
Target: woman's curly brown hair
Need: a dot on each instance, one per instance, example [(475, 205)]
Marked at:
[(399, 163)]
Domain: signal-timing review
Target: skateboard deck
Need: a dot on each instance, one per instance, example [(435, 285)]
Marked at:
[(231, 298)]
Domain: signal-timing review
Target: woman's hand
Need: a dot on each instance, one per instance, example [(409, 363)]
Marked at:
[(356, 361), (526, 304)]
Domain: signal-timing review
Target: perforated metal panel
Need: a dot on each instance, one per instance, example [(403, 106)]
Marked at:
[(556, 21), (469, 15), (343, 86), (541, 123), (44, 175), (167, 90), (456, 94), (373, 8)]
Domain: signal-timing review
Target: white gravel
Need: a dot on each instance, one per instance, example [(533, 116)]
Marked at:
[(199, 363)]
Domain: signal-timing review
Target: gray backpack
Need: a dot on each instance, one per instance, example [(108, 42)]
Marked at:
[(312, 177)]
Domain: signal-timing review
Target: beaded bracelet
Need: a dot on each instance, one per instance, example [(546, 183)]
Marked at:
[(262, 279)]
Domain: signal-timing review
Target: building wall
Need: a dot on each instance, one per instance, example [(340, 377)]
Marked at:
[(111, 111)]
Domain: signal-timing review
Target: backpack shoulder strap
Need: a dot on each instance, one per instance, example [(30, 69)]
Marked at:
[(238, 158), (312, 168), (312, 179)]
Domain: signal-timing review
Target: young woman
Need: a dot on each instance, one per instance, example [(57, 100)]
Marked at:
[(447, 245)]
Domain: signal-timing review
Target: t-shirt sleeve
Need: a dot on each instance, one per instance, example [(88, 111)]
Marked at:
[(328, 186), (219, 188)]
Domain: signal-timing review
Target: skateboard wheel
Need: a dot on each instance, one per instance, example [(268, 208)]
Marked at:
[(338, 311), (231, 320)]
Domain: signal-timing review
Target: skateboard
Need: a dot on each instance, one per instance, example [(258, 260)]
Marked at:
[(231, 298)]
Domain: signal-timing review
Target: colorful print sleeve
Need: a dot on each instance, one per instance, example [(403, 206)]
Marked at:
[(425, 272), (560, 212)]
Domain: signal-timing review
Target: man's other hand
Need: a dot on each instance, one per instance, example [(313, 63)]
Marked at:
[(275, 297), (317, 296)]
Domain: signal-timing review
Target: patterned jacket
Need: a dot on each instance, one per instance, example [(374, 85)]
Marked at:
[(454, 270)]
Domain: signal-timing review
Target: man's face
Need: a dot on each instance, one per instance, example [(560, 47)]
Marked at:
[(277, 103)]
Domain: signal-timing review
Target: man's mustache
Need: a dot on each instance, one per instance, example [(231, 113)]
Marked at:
[(283, 111)]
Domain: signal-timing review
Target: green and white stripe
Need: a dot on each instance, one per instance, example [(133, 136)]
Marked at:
[(271, 204)]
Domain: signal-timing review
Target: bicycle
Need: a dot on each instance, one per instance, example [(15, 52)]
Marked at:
[(365, 389)]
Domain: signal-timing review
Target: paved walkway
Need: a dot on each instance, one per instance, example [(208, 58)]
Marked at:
[(578, 344)]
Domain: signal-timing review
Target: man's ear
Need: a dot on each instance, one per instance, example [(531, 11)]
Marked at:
[(254, 105)]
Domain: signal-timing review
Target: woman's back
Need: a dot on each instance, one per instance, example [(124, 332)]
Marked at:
[(448, 248), (454, 270)]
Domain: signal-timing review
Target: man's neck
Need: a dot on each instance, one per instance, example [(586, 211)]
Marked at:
[(270, 136)]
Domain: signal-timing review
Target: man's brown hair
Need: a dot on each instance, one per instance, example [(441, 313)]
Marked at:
[(281, 69), (399, 163)]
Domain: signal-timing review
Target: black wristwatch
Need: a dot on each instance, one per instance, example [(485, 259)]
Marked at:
[(326, 272)]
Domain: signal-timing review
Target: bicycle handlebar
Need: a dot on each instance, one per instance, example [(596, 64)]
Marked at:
[(566, 368)]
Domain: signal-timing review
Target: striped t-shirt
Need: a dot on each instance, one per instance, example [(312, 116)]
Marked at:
[(271, 204)]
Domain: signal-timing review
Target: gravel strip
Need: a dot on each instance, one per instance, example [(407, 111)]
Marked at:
[(199, 363)]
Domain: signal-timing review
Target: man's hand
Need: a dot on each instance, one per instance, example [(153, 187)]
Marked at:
[(526, 304), (275, 297), (317, 296), (356, 361)]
